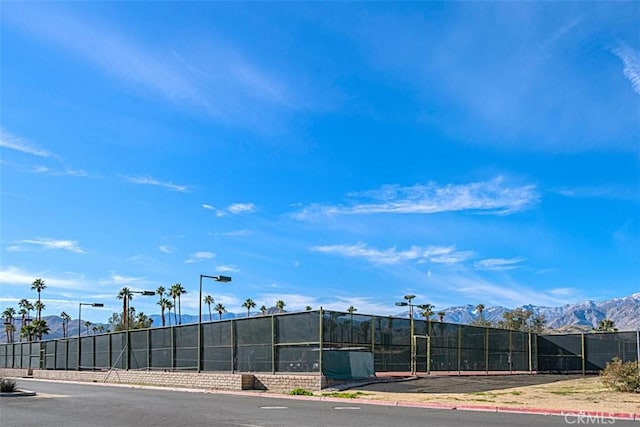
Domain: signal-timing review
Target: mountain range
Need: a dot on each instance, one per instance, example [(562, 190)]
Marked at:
[(582, 316), (585, 315)]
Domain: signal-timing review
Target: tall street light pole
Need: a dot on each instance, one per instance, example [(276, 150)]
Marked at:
[(126, 323), (223, 279), (92, 304), (407, 302)]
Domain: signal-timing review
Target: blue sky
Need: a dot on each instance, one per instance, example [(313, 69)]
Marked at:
[(326, 154)]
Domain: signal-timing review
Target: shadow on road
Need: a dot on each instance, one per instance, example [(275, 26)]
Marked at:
[(462, 384)]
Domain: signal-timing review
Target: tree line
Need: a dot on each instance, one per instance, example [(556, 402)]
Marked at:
[(170, 302)]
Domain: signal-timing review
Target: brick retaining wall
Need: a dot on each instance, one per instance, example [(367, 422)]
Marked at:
[(203, 380)]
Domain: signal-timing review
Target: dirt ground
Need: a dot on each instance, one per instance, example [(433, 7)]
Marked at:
[(571, 393)]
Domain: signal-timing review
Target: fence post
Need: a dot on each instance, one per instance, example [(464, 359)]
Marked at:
[(233, 348), (459, 347), (486, 350), (273, 344), (321, 341), (127, 366), (172, 337), (530, 353), (582, 348), (149, 349), (638, 349)]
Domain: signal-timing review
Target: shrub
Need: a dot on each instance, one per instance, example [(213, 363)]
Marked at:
[(344, 394), (300, 392), (621, 376), (7, 385)]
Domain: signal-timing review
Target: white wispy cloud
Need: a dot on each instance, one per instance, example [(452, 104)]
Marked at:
[(64, 172), (238, 208), (234, 209), (226, 269), (47, 244), (17, 143), (490, 197), (631, 60), (600, 191), (436, 254), (199, 256), (165, 249), (499, 263), (122, 280), (507, 294), (147, 180), (14, 276), (210, 75)]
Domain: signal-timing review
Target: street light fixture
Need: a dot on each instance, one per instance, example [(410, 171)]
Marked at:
[(223, 279), (92, 304), (125, 321)]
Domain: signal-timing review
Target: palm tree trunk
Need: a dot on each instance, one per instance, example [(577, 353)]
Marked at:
[(179, 311), (175, 317), (209, 312)]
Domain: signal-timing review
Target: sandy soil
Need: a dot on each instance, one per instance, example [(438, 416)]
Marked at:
[(559, 392)]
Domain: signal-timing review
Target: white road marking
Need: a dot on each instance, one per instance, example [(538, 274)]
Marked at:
[(347, 407), (274, 407)]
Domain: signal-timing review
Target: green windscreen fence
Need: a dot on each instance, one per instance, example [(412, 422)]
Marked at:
[(312, 342), (587, 352)]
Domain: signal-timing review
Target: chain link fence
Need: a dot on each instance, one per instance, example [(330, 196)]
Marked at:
[(296, 342)]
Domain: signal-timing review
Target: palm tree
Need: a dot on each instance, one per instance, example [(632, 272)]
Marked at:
[(40, 328), (220, 308), (86, 325), (38, 285), (11, 329), (39, 305), (426, 310), (308, 308), (249, 304), (441, 315), (208, 300), (65, 324), (160, 292), (263, 309), (25, 308), (607, 325), (280, 305), (169, 305), (27, 331), (176, 291), (480, 308), (8, 322), (125, 295), (163, 307)]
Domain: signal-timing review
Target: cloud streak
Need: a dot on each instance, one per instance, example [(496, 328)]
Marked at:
[(631, 60), (498, 264), (435, 254), (46, 244), (16, 143), (200, 256), (488, 197), (147, 180)]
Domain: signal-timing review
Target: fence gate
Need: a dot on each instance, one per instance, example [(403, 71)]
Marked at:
[(421, 357)]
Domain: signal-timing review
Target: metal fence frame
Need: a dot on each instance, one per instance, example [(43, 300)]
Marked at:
[(295, 342)]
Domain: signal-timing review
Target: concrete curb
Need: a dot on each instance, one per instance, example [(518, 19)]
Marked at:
[(591, 415), (18, 393)]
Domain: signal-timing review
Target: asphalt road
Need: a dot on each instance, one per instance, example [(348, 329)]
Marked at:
[(88, 405)]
